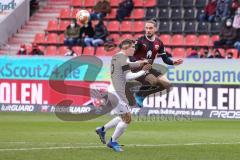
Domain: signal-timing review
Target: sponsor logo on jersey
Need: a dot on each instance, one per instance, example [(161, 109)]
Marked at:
[(149, 54)]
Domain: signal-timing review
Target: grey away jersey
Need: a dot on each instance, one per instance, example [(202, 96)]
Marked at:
[(119, 68)]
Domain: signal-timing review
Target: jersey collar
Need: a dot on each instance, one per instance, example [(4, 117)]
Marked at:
[(150, 39)]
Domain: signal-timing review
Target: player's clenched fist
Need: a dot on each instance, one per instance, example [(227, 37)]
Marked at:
[(147, 67), (143, 62)]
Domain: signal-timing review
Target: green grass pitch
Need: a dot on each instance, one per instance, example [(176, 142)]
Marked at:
[(37, 136)]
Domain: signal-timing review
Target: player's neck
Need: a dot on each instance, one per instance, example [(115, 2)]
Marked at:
[(150, 39)]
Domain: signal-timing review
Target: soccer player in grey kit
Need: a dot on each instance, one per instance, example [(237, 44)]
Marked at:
[(120, 74)]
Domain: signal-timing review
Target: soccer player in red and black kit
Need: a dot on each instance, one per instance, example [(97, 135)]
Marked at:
[(147, 48)]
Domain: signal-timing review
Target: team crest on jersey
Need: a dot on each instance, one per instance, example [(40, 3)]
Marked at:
[(156, 46)]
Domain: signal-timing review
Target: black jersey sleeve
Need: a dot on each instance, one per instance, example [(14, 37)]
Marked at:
[(166, 59), (161, 50)]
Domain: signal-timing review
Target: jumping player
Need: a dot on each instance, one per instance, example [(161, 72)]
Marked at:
[(147, 48), (120, 73)]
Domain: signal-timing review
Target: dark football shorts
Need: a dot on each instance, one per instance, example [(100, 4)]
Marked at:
[(152, 71)]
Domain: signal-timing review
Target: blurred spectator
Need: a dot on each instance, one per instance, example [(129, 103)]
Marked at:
[(100, 35), (217, 54), (86, 32), (237, 45), (229, 55), (34, 6), (209, 12), (234, 6), (22, 50), (228, 35), (206, 54), (36, 50), (236, 20), (223, 9), (124, 10), (72, 34), (70, 52), (101, 9), (193, 53)]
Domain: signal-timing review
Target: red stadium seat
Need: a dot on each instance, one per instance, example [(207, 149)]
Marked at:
[(28, 48), (89, 51), (213, 39), (89, 3), (203, 40), (52, 38), (51, 51), (166, 39), (61, 38), (189, 51), (169, 50), (191, 40), (114, 3), (179, 52), (113, 14), (234, 51), (113, 26), (138, 26), (137, 14), (136, 36), (138, 3), (115, 37), (40, 38), (112, 52), (126, 26), (65, 13), (77, 3), (52, 25), (42, 48), (77, 50), (177, 40), (150, 3), (222, 51), (74, 12), (63, 25), (126, 36), (101, 51), (62, 50)]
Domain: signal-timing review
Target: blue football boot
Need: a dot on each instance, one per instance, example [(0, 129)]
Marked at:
[(115, 146), (101, 134)]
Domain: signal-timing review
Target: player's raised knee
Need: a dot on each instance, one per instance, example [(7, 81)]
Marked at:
[(127, 118)]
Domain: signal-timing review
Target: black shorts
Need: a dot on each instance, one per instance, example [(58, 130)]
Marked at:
[(152, 71)]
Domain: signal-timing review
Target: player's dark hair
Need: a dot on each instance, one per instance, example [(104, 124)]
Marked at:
[(126, 42), (153, 21)]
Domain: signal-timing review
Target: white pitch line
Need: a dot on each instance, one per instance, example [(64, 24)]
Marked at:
[(51, 148), (128, 145)]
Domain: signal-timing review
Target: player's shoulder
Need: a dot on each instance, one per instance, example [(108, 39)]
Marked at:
[(157, 39), (119, 56), (141, 38)]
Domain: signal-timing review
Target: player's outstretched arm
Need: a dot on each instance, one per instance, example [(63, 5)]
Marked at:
[(136, 64), (177, 62), (131, 76), (169, 61)]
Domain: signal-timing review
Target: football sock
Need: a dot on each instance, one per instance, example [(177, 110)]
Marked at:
[(111, 124), (120, 129), (143, 92)]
